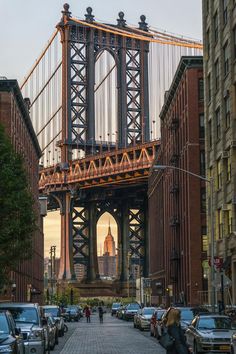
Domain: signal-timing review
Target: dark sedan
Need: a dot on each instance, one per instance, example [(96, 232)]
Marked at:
[(130, 311), (10, 341), (115, 307)]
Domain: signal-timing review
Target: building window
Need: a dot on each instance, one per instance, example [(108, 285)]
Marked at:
[(217, 73), (227, 111), (204, 239), (208, 43), (225, 11), (202, 163), (210, 134), (203, 200), (209, 87), (234, 42), (226, 58), (200, 89), (201, 126), (220, 223), (217, 117), (228, 221), (215, 26), (219, 174), (228, 172)]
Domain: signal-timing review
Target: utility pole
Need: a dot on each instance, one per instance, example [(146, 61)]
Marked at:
[(52, 270)]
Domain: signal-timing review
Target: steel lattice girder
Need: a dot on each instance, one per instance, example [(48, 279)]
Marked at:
[(137, 235), (80, 235)]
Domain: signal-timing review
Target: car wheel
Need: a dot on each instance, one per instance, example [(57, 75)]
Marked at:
[(141, 329), (134, 325), (56, 339), (52, 346), (151, 334)]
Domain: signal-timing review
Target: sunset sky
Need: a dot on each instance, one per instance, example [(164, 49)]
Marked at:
[(52, 233)]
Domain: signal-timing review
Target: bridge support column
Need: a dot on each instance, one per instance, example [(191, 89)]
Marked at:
[(125, 242), (93, 264), (66, 270)]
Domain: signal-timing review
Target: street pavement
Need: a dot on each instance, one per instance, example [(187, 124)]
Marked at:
[(113, 336)]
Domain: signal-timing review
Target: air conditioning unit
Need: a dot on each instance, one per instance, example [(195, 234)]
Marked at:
[(233, 144), (225, 154)]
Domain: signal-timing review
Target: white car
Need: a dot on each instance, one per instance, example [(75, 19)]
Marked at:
[(210, 333), (143, 318)]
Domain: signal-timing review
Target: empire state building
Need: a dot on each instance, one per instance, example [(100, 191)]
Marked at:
[(107, 262), (109, 244)]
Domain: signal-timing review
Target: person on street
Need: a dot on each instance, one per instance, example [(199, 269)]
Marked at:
[(87, 313), (175, 331), (100, 312)]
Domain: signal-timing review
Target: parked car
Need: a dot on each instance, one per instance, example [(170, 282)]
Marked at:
[(187, 314), (130, 310), (10, 339), (71, 313), (29, 320), (55, 312), (136, 316), (142, 318), (52, 332), (120, 312), (155, 323), (115, 306), (210, 333)]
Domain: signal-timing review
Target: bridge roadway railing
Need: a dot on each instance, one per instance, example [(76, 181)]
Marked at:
[(127, 164)]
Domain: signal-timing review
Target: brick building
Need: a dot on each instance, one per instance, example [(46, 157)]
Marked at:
[(14, 115), (177, 202)]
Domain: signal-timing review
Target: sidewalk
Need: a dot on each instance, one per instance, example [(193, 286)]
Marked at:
[(112, 337)]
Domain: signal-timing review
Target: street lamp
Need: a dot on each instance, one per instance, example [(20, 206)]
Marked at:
[(128, 270), (212, 250)]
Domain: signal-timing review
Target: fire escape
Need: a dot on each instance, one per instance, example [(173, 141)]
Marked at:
[(174, 191)]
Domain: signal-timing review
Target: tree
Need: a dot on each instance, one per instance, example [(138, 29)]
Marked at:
[(17, 216)]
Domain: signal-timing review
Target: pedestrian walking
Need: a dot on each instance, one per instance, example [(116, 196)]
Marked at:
[(87, 313), (175, 331), (100, 312)]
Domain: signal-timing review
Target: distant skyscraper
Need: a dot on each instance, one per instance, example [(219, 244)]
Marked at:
[(109, 243), (107, 262)]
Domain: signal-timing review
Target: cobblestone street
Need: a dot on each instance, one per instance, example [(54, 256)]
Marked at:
[(112, 337)]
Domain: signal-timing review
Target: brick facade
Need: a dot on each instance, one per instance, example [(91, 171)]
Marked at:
[(14, 116), (177, 202)]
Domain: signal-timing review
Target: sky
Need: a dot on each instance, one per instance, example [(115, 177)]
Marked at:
[(27, 25)]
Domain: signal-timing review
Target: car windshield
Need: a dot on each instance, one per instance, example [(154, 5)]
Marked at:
[(116, 306), (52, 311), (21, 314), (148, 311), (215, 323), (4, 329), (133, 307), (186, 315)]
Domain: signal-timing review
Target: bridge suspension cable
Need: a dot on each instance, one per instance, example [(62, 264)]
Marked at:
[(175, 41)]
